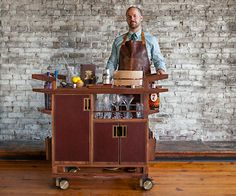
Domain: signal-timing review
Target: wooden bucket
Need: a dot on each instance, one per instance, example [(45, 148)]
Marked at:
[(128, 78)]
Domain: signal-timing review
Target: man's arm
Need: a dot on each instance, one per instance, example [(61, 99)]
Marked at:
[(157, 58), (113, 59)]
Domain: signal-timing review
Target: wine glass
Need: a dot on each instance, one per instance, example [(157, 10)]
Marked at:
[(139, 110), (107, 106), (127, 101), (99, 108), (116, 101)]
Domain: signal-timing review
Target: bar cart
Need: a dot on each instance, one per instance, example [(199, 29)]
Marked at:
[(83, 145)]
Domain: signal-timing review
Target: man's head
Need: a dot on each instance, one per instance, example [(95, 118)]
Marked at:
[(134, 18)]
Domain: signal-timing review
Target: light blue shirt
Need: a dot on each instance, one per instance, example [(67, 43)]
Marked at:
[(153, 50)]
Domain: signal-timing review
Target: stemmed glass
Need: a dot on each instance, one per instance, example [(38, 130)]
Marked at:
[(116, 101), (107, 106), (99, 108), (139, 110), (127, 99)]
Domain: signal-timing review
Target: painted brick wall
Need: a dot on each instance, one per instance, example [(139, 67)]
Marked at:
[(197, 38)]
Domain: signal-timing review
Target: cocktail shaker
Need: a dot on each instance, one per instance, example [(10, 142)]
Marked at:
[(106, 78)]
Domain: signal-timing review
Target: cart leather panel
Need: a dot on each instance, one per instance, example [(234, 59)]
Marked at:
[(133, 147), (71, 128), (105, 145)]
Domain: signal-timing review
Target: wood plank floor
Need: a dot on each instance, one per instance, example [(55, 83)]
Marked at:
[(171, 178)]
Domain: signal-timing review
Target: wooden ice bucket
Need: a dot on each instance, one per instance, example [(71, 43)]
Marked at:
[(128, 78)]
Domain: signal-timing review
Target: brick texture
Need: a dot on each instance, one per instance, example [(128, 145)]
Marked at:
[(197, 38)]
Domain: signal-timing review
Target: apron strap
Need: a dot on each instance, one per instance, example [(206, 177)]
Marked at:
[(126, 35), (124, 39), (143, 38)]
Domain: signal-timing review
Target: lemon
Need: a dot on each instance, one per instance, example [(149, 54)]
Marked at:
[(75, 79), (79, 84)]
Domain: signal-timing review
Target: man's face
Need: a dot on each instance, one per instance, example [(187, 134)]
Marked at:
[(134, 18)]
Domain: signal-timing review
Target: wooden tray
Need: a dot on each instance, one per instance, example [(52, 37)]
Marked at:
[(99, 86)]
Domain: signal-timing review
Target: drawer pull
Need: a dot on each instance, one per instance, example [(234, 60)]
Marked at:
[(86, 104), (119, 131)]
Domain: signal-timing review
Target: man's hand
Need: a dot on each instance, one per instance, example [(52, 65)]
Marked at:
[(160, 72)]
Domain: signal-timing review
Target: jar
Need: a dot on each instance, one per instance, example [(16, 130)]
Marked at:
[(88, 77), (106, 78)]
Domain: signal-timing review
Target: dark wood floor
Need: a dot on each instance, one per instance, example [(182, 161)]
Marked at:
[(171, 179)]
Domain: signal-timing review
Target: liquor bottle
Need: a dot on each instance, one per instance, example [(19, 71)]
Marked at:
[(154, 101), (56, 77), (70, 73), (88, 77), (47, 97), (106, 77), (153, 69)]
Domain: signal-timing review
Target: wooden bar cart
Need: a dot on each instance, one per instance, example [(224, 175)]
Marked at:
[(84, 146)]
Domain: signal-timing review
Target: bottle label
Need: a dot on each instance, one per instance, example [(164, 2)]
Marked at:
[(153, 69), (154, 101)]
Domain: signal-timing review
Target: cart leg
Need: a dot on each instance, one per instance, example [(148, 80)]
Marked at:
[(57, 182)]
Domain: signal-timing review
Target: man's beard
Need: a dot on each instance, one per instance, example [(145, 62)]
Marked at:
[(134, 25)]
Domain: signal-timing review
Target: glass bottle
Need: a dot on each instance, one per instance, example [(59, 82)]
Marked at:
[(153, 68), (47, 96), (154, 101)]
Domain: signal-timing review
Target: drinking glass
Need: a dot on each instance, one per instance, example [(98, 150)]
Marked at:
[(116, 102), (139, 110), (99, 108), (127, 99), (107, 106)]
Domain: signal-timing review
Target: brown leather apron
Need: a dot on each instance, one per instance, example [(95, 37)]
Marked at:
[(133, 55)]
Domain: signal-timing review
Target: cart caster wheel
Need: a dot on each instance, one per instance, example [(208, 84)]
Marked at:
[(146, 184), (64, 184), (73, 170)]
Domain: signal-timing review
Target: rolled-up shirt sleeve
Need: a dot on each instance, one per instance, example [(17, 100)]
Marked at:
[(112, 62), (157, 58)]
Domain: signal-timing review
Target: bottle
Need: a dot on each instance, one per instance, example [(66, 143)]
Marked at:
[(47, 97), (70, 73), (153, 69), (106, 78), (56, 77), (154, 101), (88, 77)]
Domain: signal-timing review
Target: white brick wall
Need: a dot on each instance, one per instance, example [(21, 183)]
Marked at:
[(197, 38)]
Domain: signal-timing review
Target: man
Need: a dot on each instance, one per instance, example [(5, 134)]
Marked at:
[(135, 50)]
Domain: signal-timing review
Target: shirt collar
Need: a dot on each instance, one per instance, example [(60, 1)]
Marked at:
[(138, 34)]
